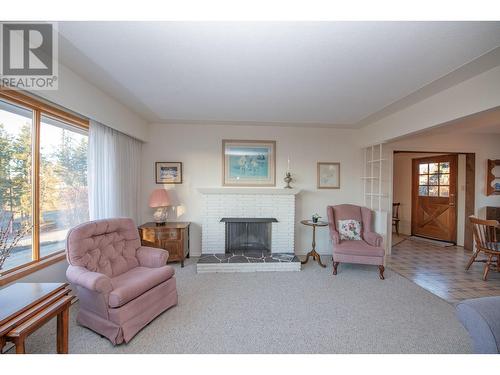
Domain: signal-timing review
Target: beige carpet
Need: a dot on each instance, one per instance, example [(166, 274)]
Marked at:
[(286, 312)]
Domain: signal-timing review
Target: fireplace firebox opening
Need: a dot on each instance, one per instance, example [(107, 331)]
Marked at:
[(248, 234)]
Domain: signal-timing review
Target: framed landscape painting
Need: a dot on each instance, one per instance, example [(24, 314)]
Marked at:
[(328, 175), (248, 163), (168, 172)]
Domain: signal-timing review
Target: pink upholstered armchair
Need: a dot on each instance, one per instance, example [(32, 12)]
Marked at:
[(367, 250), (121, 285)]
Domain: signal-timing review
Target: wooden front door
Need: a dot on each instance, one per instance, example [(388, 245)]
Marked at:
[(434, 195)]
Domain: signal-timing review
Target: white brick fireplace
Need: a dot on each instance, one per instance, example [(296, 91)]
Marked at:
[(248, 203)]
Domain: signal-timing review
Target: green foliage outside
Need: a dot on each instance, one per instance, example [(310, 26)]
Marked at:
[(63, 177)]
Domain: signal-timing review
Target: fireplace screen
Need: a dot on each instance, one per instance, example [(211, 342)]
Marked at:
[(248, 234)]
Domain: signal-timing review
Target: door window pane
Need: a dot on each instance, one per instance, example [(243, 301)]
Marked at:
[(423, 190), (433, 191), (423, 168), (423, 179), (63, 182), (444, 167), (444, 179), (15, 179), (433, 167), (433, 179), (444, 191)]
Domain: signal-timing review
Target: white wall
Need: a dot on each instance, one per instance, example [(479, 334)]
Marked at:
[(199, 147), (402, 191), (78, 95), (477, 94)]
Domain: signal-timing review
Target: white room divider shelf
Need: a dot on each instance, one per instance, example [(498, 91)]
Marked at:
[(375, 190)]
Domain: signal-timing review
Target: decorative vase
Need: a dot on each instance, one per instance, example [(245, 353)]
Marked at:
[(160, 216)]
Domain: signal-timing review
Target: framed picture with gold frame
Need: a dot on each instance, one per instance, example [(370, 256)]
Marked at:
[(328, 175), (248, 163)]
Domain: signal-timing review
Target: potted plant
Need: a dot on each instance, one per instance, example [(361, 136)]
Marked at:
[(9, 236), (315, 218)]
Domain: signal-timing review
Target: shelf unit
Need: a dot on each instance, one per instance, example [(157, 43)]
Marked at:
[(376, 190), (372, 177), (490, 177)]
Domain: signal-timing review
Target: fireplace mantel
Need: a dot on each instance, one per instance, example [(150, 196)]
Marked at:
[(248, 220), (248, 190)]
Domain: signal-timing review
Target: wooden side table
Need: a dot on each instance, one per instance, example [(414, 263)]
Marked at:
[(313, 252), (172, 236), (25, 307)]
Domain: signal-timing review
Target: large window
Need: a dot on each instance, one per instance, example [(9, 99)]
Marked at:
[(63, 182), (16, 134), (43, 176)]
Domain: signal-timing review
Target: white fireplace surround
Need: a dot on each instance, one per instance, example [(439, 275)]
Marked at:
[(246, 203)]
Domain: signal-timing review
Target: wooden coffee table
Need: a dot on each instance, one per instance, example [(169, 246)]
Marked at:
[(25, 307), (313, 252)]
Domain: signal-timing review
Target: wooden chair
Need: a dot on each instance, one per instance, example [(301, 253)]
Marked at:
[(395, 216), (485, 237)]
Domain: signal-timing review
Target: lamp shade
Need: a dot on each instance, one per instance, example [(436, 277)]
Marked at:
[(159, 198)]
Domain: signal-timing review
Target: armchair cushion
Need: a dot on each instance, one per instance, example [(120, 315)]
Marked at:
[(151, 257), (136, 282), (373, 238), (360, 248), (96, 282)]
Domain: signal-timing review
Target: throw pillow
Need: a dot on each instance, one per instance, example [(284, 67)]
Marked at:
[(349, 230)]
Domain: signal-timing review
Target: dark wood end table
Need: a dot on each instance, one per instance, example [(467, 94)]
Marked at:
[(313, 253), (25, 307), (172, 236)]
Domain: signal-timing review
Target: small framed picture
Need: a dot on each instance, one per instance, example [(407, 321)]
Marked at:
[(168, 172), (328, 175)]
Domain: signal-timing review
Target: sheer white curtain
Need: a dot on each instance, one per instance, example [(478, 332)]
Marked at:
[(114, 161)]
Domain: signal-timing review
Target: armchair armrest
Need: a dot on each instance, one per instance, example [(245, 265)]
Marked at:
[(373, 238), (94, 281), (335, 236), (152, 257)]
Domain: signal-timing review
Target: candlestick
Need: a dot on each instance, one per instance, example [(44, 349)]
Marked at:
[(288, 178)]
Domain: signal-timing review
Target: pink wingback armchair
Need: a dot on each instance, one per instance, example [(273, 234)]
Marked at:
[(121, 285), (369, 250)]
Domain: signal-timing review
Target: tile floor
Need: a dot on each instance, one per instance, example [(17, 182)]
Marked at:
[(441, 270)]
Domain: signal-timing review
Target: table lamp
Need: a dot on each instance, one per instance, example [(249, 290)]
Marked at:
[(160, 199)]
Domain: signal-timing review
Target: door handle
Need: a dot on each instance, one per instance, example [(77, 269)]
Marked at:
[(452, 200)]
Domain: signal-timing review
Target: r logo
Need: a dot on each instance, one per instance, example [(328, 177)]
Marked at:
[(27, 49)]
